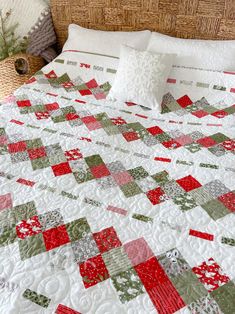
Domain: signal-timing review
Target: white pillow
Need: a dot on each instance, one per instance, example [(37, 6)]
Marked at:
[(207, 54), (102, 42), (141, 77)]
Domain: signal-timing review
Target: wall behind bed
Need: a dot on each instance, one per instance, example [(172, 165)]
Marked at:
[(202, 19)]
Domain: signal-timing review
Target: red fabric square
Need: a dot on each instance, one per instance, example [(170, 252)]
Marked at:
[(118, 121), (156, 196), (229, 145), (62, 309), (55, 237), (71, 116), (85, 92), (122, 178), (94, 126), (138, 251), (172, 144), (23, 103), (107, 239), (89, 119), (3, 139), (129, 103), (37, 153), (188, 183), (67, 84), (92, 84), (155, 130), (61, 169), (31, 80), (184, 140), (29, 227), (219, 114), (5, 201), (200, 113), (206, 142), (42, 115), (17, 147), (53, 106), (228, 200), (100, 171), (211, 275), (51, 74), (73, 154), (184, 101), (130, 136), (163, 294), (93, 271)]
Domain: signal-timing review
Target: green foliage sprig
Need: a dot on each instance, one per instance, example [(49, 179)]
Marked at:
[(10, 44)]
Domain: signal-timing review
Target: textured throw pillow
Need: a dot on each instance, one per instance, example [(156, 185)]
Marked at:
[(141, 77)]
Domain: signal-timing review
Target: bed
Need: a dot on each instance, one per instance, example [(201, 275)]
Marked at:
[(117, 209)]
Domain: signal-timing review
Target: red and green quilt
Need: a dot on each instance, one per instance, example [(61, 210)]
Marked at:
[(109, 207)]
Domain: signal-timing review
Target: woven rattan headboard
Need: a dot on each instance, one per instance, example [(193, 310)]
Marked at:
[(206, 19)]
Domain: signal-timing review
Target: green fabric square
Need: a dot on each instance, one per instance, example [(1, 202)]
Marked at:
[(39, 108), (130, 189), (39, 299), (106, 123), (102, 116), (116, 261), (83, 176), (215, 209), (31, 246), (189, 287), (225, 297), (24, 211), (81, 87), (2, 131), (26, 110), (209, 109), (135, 126), (165, 109), (106, 87), (219, 137), (230, 110), (161, 177), (77, 229), (138, 173), (58, 119), (40, 163), (8, 235), (36, 143), (163, 137), (173, 106), (63, 78), (128, 285), (68, 109), (112, 130), (193, 147), (185, 201), (94, 160), (192, 108), (3, 149)]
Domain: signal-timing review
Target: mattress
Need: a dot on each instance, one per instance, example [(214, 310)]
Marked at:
[(110, 207)]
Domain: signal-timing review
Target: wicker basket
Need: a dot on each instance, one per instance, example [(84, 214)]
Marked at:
[(10, 79)]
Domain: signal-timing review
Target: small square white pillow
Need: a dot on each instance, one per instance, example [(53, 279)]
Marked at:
[(141, 77)]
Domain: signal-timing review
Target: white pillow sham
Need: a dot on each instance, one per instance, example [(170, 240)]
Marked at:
[(207, 54), (102, 42), (141, 77)]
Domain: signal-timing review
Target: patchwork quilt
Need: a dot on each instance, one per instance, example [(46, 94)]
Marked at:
[(109, 207)]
